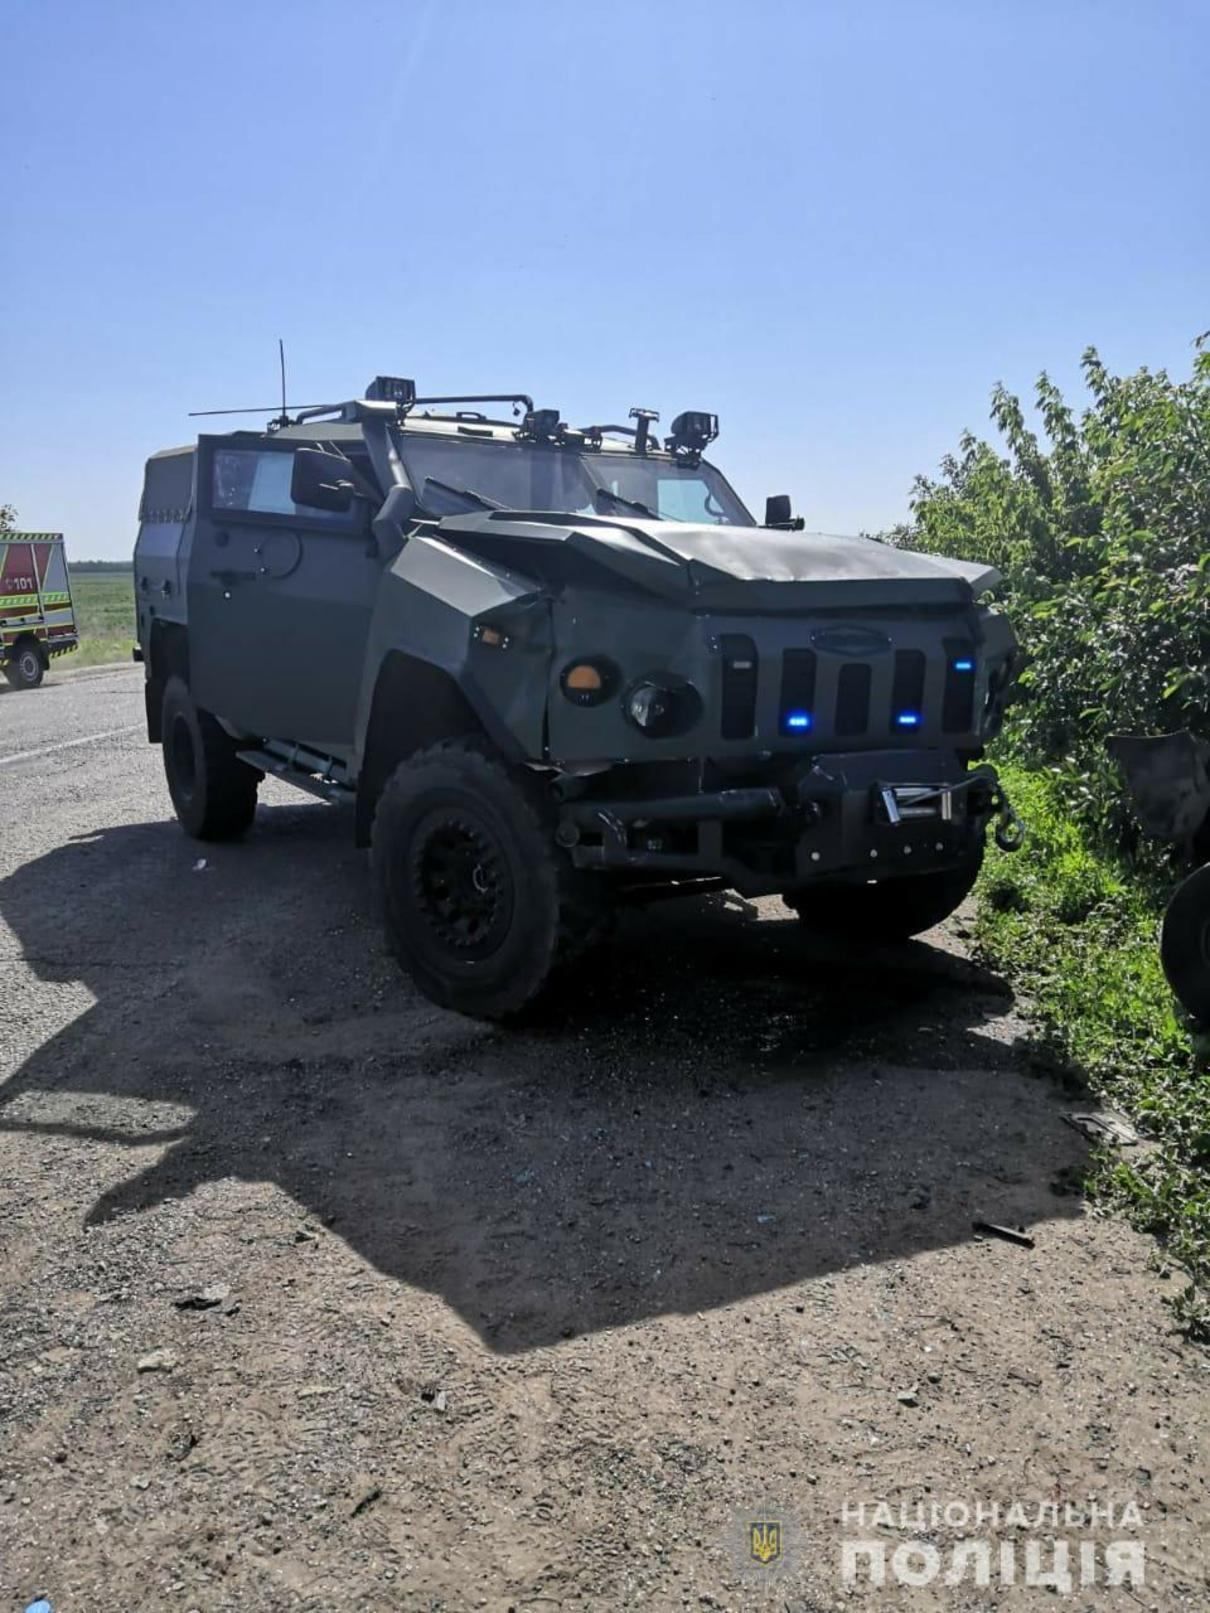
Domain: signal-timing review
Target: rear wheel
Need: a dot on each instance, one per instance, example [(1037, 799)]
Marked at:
[(1185, 944), (480, 905), (213, 792), (25, 668), (891, 910)]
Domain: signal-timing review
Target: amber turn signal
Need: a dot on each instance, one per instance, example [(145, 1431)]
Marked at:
[(584, 678), (587, 683)]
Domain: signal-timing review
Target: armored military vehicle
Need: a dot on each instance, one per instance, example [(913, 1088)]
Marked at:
[(556, 669)]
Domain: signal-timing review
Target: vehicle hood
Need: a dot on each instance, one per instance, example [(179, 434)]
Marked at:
[(717, 567)]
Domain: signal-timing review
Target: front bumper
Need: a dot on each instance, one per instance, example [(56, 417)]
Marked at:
[(855, 817)]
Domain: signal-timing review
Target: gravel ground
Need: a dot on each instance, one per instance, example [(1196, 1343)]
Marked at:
[(522, 1319)]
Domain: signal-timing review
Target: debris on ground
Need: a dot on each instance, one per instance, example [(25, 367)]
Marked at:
[(1103, 1126), (204, 1299), (366, 1500), (181, 1440), (992, 1229), (158, 1361)]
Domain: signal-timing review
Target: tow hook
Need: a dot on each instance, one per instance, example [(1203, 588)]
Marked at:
[(1009, 831)]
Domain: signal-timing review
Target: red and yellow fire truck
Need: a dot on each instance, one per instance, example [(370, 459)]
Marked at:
[(37, 619)]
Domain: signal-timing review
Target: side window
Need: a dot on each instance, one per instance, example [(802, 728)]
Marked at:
[(258, 481)]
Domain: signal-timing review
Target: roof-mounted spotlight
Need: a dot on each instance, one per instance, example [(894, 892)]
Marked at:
[(540, 425), (392, 389), (691, 432)]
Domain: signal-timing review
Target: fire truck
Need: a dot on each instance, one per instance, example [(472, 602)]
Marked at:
[(37, 618)]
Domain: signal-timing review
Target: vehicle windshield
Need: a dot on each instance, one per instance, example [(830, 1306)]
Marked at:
[(461, 474)]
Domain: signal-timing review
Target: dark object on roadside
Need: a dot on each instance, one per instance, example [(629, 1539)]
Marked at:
[(554, 669), (1016, 1235), (1185, 944), (1101, 1126), (1168, 781)]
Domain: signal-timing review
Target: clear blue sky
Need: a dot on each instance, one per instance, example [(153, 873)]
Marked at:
[(835, 224)]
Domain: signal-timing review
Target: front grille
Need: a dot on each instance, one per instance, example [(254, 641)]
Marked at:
[(797, 708), (853, 699), (957, 701), (826, 697), (907, 691), (740, 673)]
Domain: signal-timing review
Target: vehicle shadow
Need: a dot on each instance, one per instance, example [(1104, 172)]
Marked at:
[(710, 1109)]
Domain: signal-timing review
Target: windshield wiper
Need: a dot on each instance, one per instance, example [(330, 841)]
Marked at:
[(468, 493), (625, 503)]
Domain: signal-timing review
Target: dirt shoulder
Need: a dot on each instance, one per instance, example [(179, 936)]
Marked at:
[(535, 1318)]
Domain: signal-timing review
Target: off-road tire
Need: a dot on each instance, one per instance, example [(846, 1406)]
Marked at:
[(213, 792), (1185, 944), (480, 906), (892, 910), (26, 668)]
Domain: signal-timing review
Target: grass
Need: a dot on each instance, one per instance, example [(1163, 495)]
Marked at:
[(105, 616), (1076, 930)]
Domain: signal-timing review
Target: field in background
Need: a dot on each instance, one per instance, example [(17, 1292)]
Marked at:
[(104, 603)]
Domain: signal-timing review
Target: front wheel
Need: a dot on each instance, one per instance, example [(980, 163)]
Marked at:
[(1185, 944), (479, 904), (214, 793), (891, 910), (25, 669)]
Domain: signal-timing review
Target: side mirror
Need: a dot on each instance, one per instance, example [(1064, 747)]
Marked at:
[(777, 514), (319, 481)]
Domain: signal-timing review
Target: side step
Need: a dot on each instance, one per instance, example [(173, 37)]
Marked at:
[(307, 770)]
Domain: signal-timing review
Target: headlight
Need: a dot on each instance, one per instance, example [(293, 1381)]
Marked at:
[(661, 707)]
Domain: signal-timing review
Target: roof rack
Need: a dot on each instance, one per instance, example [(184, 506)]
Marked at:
[(515, 398), (466, 417)]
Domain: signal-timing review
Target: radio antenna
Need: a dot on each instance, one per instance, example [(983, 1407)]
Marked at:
[(283, 418)]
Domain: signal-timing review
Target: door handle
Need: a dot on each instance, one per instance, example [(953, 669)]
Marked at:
[(230, 578)]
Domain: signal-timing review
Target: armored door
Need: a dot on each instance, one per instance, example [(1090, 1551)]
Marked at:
[(279, 598)]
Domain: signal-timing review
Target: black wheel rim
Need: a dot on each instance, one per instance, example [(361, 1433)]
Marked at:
[(461, 886), (184, 763)]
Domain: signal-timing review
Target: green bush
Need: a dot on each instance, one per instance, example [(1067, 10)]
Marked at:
[(1103, 537), (1102, 533)]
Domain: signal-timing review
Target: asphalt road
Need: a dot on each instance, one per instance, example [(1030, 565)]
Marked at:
[(519, 1319)]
